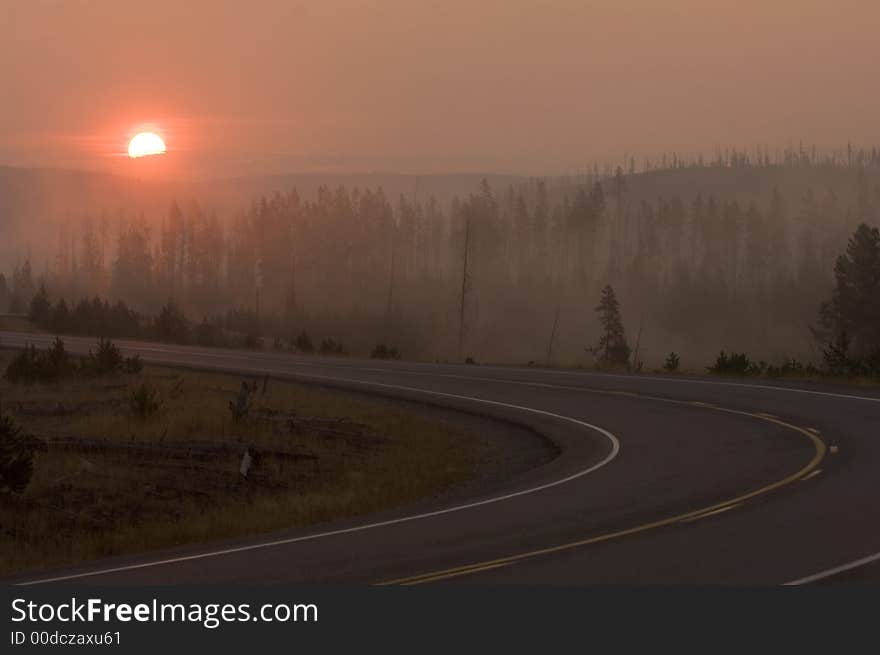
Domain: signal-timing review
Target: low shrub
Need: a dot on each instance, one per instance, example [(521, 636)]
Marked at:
[(133, 365), (330, 346), (303, 343), (106, 360), (30, 365), (672, 362), (144, 402), (791, 367), (734, 364), (24, 367), (251, 342), (739, 364), (381, 351)]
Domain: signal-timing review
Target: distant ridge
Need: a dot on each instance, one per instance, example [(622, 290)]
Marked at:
[(39, 206)]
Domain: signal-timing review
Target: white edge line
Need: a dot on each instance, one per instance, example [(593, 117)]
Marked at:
[(248, 356), (615, 449), (832, 572)]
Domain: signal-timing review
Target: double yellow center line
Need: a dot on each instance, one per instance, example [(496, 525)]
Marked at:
[(703, 512)]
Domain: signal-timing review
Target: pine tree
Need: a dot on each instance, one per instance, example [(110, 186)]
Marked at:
[(854, 308), (133, 268), (40, 307), (16, 456), (90, 256), (612, 349), (4, 294), (22, 285)]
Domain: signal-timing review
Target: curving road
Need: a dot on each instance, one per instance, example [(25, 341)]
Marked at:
[(660, 480)]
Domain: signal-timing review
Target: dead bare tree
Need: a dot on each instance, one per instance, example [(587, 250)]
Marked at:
[(553, 335), (636, 364), (389, 305), (464, 287)]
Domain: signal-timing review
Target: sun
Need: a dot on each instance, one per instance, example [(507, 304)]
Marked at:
[(146, 143)]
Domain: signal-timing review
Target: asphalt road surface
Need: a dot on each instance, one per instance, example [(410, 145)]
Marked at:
[(660, 480)]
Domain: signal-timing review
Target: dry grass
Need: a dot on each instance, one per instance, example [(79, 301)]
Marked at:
[(10, 323), (112, 484)]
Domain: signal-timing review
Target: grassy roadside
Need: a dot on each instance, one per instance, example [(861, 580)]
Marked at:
[(823, 378), (10, 323), (22, 324), (111, 483)]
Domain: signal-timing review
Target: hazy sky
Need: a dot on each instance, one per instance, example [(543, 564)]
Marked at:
[(417, 85)]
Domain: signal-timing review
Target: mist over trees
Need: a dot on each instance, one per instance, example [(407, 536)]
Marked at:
[(737, 252)]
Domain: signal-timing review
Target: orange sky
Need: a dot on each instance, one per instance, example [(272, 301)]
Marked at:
[(416, 85)]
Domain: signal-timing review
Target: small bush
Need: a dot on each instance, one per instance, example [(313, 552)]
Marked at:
[(24, 367), (671, 363), (330, 346), (54, 364), (304, 343), (58, 362), (30, 365), (381, 351), (251, 342), (144, 402), (107, 360), (133, 365), (733, 364), (787, 368), (16, 456)]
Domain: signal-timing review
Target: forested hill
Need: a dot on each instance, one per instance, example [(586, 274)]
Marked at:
[(733, 253), (745, 183), (239, 192)]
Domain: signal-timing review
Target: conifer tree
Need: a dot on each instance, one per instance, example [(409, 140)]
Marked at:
[(613, 348), (854, 308), (4, 294)]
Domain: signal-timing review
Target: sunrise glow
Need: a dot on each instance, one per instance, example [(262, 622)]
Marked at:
[(145, 144)]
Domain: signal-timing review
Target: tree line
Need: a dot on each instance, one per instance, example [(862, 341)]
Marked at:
[(503, 274)]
